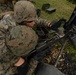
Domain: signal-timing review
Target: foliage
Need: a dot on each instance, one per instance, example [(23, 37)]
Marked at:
[(73, 1)]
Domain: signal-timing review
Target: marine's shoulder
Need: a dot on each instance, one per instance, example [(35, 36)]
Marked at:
[(8, 21), (5, 13)]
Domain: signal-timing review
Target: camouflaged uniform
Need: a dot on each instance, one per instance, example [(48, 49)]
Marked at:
[(26, 11), (9, 57), (6, 66), (21, 40)]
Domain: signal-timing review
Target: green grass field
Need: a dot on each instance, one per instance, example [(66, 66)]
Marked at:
[(63, 10)]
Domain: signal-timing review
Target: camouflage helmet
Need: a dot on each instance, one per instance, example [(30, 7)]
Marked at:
[(21, 40), (24, 11)]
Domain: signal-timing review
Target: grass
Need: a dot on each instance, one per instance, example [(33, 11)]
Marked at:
[(71, 50), (63, 10)]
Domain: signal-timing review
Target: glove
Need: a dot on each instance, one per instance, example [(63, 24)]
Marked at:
[(23, 69), (56, 24)]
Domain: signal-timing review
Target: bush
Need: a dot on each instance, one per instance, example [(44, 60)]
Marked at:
[(73, 1)]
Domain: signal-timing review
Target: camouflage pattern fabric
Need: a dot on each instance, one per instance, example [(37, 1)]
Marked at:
[(10, 57), (32, 66), (41, 22), (21, 40), (7, 59), (24, 11), (7, 22), (5, 13)]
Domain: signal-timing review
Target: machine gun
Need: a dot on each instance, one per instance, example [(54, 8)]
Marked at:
[(45, 45)]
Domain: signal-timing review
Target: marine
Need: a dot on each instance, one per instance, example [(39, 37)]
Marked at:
[(17, 39)]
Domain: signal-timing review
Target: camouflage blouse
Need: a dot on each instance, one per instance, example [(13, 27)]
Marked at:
[(6, 66), (7, 58)]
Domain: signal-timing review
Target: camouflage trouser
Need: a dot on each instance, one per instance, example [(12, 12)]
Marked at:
[(6, 69), (32, 66)]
